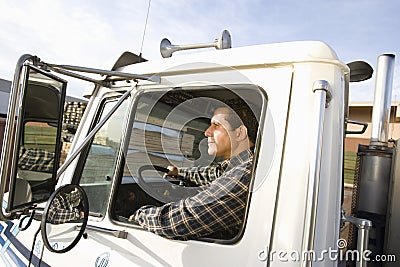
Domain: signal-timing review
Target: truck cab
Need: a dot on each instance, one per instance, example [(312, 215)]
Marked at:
[(144, 116)]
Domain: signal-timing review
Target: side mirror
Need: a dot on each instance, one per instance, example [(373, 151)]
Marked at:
[(38, 139), (360, 71), (64, 219)]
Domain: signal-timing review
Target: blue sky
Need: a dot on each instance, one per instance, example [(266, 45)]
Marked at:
[(94, 33)]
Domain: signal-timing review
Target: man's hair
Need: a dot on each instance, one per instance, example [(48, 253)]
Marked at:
[(242, 114)]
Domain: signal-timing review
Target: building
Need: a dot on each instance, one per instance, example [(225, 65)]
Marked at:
[(4, 96), (362, 111)]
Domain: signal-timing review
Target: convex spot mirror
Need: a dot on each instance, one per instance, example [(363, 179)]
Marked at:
[(64, 219), (38, 138), (360, 71)]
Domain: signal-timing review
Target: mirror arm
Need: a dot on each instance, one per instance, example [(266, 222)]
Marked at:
[(72, 74), (30, 217), (9, 145), (152, 78), (92, 133)]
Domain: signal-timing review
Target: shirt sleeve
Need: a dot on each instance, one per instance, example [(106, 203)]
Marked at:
[(219, 207), (61, 211), (72, 198), (201, 176)]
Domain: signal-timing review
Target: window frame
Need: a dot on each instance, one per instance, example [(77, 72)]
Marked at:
[(77, 174), (131, 118)]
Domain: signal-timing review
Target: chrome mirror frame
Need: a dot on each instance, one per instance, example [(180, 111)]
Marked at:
[(55, 216)]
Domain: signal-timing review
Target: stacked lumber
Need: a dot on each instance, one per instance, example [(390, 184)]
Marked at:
[(73, 112), (66, 146)]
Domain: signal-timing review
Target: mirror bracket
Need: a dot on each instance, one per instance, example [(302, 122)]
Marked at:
[(31, 88)]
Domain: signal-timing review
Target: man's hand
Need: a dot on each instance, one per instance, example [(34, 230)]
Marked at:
[(132, 218), (173, 172)]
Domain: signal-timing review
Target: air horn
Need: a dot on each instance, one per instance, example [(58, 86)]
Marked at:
[(223, 42)]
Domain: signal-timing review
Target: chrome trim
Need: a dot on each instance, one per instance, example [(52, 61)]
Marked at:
[(363, 226), (382, 100), (116, 233), (11, 131), (321, 101), (223, 42), (323, 85)]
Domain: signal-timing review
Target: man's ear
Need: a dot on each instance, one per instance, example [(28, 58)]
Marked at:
[(241, 133)]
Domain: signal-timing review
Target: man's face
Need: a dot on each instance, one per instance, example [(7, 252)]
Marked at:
[(220, 135)]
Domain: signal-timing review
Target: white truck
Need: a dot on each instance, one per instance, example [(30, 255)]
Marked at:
[(145, 115)]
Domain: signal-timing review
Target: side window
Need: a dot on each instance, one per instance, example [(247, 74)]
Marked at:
[(168, 129), (101, 158)]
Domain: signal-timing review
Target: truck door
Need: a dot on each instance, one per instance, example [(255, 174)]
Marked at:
[(122, 171)]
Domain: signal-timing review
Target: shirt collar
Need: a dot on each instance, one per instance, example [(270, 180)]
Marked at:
[(242, 157)]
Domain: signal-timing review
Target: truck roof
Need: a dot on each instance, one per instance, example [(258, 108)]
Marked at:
[(267, 54)]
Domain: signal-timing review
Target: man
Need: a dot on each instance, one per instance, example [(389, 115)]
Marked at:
[(221, 205), (65, 208)]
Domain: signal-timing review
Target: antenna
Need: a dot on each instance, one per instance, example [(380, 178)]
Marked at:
[(144, 31), (223, 42)]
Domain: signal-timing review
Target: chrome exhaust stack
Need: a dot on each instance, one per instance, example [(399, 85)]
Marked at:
[(371, 188), (382, 100)]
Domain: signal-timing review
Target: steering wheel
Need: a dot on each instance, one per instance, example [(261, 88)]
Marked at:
[(165, 190)]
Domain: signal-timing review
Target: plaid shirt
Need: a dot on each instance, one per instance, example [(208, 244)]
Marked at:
[(35, 159), (63, 208), (200, 176), (220, 207)]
